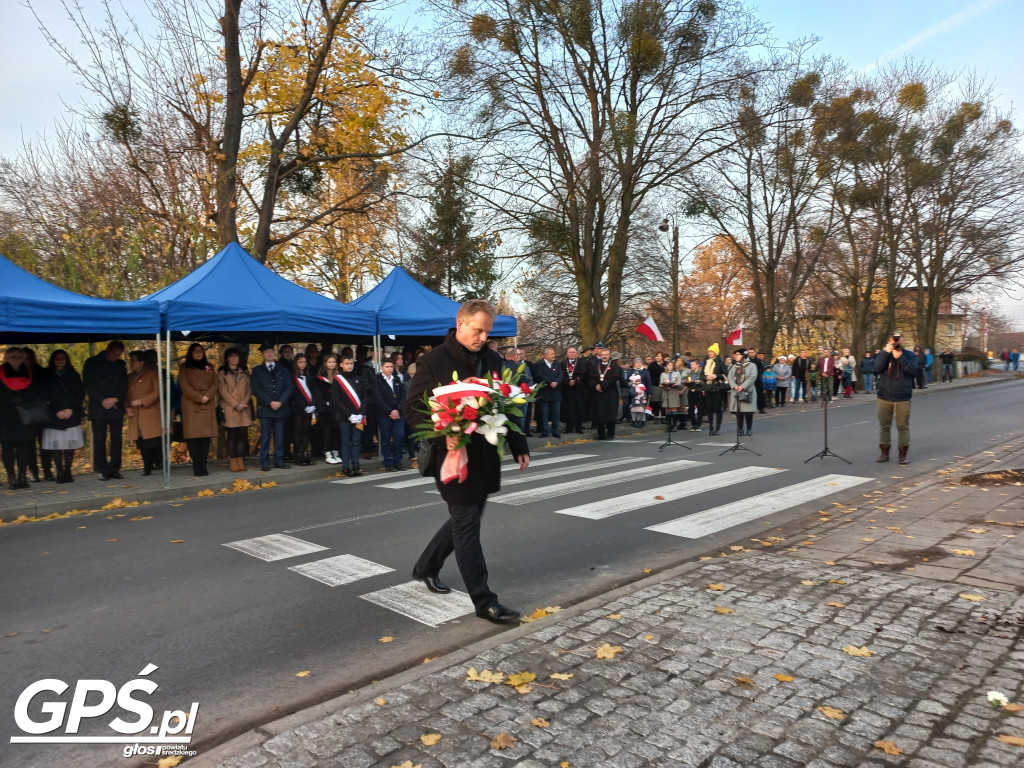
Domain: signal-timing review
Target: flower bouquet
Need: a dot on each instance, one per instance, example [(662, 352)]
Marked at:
[(488, 406)]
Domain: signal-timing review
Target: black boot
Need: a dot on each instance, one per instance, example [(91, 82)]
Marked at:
[(22, 482)]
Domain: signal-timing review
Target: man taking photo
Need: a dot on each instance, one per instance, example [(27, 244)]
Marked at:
[(895, 368)]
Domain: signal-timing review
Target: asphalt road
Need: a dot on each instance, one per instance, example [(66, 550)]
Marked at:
[(103, 596)]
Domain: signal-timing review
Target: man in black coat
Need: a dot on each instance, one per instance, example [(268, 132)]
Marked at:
[(574, 392), (549, 371), (603, 382), (272, 385), (465, 352), (895, 369), (105, 377), (389, 402)]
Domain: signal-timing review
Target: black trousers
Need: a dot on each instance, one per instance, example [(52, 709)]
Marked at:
[(759, 389), (152, 452), (302, 424), (461, 534), (605, 429), (238, 442), (16, 457), (198, 450), (101, 462)]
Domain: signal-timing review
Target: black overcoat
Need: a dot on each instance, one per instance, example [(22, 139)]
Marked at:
[(604, 405), (435, 369), (574, 396)]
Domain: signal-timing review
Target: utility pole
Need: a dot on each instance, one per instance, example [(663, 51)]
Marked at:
[(675, 280)]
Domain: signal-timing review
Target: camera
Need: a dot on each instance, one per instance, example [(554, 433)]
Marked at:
[(897, 341)]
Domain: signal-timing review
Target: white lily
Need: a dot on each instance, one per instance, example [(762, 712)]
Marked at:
[(996, 699), (492, 426)]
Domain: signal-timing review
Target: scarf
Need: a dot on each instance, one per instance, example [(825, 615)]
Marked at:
[(709, 367)]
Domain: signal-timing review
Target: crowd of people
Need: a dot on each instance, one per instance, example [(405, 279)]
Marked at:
[(344, 407)]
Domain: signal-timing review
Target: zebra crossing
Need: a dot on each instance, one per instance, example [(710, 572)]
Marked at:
[(576, 474)]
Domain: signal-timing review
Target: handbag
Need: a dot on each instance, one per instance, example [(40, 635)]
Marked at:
[(744, 396), (32, 412), (425, 457)]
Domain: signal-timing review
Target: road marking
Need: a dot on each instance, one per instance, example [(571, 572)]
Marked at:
[(527, 476), (854, 423), (537, 494), (599, 510), (416, 602), (276, 546), (506, 468), (357, 518), (343, 569), (728, 515)]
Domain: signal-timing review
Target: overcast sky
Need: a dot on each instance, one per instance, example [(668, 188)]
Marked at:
[(983, 36)]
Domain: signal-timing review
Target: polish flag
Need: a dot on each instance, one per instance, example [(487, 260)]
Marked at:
[(649, 328), (736, 337)]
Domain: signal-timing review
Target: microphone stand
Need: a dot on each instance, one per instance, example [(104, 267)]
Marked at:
[(738, 446), (668, 435), (826, 451)]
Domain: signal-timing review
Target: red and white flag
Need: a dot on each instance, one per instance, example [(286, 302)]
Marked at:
[(736, 337), (649, 328)]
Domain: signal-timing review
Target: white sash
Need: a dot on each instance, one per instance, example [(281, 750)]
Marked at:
[(349, 391)]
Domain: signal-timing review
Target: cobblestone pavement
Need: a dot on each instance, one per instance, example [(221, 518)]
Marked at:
[(869, 635)]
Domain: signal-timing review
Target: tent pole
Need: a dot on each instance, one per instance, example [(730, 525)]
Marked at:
[(163, 404), (167, 414)]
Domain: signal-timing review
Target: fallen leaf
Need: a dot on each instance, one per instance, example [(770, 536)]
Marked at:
[(430, 739), (973, 598), (784, 678), (503, 741), (177, 541), (835, 581), (829, 562), (964, 552), (387, 639), (205, 492), (560, 675), (540, 722), (168, 762), (304, 673), (738, 548), (744, 681), (1017, 741), (809, 583), (723, 609), (608, 651), (407, 763), (614, 616), (660, 498), (888, 747), (978, 530), (836, 605), (647, 570), (381, 702), (520, 678), (716, 587), (855, 651), (484, 677), (1013, 707), (832, 712), (112, 540), (867, 538)]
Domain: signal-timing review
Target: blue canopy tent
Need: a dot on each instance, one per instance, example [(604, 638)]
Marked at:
[(234, 297), (33, 310), (404, 307)]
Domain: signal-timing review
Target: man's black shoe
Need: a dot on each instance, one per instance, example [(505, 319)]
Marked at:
[(265, 468), (400, 467), (116, 476), (104, 477), (432, 583), (390, 469), (357, 472), (557, 434), (499, 614), (282, 465)]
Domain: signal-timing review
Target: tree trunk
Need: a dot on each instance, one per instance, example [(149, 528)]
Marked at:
[(226, 157)]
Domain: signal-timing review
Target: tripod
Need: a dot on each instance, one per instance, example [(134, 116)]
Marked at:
[(738, 446), (668, 435), (826, 451)]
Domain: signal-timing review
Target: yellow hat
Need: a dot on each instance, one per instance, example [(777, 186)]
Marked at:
[(713, 348)]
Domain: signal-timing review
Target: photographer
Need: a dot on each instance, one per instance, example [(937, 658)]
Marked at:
[(895, 368)]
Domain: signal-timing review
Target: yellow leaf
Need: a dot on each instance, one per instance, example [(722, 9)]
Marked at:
[(177, 541), (832, 712), (540, 722), (524, 688), (560, 675), (484, 677), (972, 598), (744, 681), (1017, 741), (430, 739), (835, 581), (888, 747), (808, 583), (978, 530), (660, 498), (829, 562), (608, 651), (647, 570), (503, 741), (564, 764), (304, 673), (408, 764), (520, 678), (112, 540), (1013, 707), (836, 605), (168, 762), (615, 616), (437, 94), (738, 548), (648, 637), (855, 651), (381, 702), (964, 552), (867, 538), (716, 587), (723, 609), (784, 678), (387, 639)]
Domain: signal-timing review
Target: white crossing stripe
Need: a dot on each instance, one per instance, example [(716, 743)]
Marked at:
[(599, 510), (343, 569), (728, 515), (276, 546), (547, 474), (415, 601), (506, 467), (519, 498)]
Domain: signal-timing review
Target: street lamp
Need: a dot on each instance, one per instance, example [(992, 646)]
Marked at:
[(664, 226)]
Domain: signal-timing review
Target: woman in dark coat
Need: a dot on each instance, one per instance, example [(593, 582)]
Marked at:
[(715, 388), (65, 394), (303, 407), (326, 421), (17, 442)]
